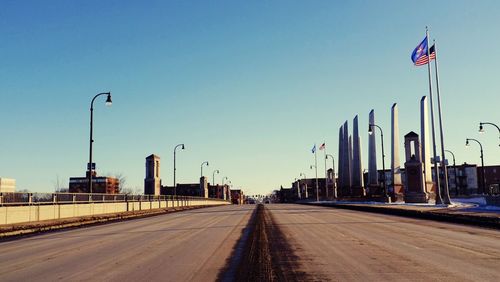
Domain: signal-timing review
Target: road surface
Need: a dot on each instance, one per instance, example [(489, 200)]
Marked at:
[(184, 246), (342, 245), (294, 242)]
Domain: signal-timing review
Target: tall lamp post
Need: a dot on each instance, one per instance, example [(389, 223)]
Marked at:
[(455, 169), (317, 190), (483, 179), (213, 176), (333, 175), (90, 167), (223, 192), (370, 131), (298, 186), (305, 181), (201, 167), (481, 130), (175, 168)]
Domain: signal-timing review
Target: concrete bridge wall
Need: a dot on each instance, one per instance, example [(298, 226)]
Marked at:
[(32, 213)]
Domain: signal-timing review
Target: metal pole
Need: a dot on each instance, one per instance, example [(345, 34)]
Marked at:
[(333, 176), (305, 185), (436, 167), (482, 168), (316, 169), (383, 162), (108, 100), (175, 168), (326, 176), (201, 167), (455, 169), (91, 141), (446, 192), (213, 176), (483, 178)]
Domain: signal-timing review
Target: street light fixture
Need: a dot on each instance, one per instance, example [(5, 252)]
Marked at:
[(213, 176), (175, 168), (90, 166), (206, 162), (305, 182), (370, 131), (481, 129), (223, 192), (483, 179), (455, 169), (333, 175)]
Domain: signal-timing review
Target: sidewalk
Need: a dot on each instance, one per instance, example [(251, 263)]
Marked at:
[(459, 213)]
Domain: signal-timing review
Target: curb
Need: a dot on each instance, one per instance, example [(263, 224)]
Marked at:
[(24, 229), (437, 215)]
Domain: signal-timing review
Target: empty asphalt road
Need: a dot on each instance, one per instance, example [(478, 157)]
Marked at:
[(343, 245), (184, 246), (311, 243)]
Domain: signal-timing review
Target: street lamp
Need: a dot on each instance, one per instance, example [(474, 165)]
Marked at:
[(213, 176), (455, 169), (175, 168), (305, 183), (333, 175), (206, 162), (370, 131), (296, 180), (317, 190), (483, 179), (223, 192), (90, 166), (481, 129)]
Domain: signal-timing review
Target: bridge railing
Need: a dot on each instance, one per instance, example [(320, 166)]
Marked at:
[(24, 198)]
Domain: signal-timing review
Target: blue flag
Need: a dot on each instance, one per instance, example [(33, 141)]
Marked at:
[(420, 51), (314, 149)]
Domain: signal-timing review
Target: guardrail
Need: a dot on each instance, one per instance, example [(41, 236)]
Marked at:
[(20, 199)]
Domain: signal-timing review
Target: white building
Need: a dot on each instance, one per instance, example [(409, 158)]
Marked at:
[(7, 185)]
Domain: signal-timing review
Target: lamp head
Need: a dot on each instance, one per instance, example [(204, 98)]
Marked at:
[(183, 147), (108, 100), (481, 130), (370, 130), (467, 143)]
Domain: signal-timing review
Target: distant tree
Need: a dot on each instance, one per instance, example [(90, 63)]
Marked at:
[(122, 182), (58, 187)]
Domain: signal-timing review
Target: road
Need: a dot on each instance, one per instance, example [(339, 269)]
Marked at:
[(342, 245), (184, 246), (299, 243)]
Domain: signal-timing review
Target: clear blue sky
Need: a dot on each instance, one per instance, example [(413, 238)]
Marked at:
[(249, 86)]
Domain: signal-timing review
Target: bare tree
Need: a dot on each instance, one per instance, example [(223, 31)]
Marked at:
[(58, 187), (122, 182)]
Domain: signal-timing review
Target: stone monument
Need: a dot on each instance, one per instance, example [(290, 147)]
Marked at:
[(357, 167), (426, 148), (414, 190), (152, 181), (340, 161), (396, 184)]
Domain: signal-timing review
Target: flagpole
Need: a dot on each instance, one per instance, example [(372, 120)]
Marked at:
[(436, 167), (316, 168), (446, 192), (326, 173)]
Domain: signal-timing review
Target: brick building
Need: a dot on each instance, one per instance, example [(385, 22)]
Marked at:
[(100, 184)]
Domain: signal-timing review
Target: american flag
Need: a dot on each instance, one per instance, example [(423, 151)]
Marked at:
[(322, 147), (423, 60)]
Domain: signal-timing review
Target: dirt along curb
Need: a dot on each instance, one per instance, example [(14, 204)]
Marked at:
[(263, 253), (10, 231), (451, 215)]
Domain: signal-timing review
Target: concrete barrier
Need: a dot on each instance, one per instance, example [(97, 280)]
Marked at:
[(33, 213)]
